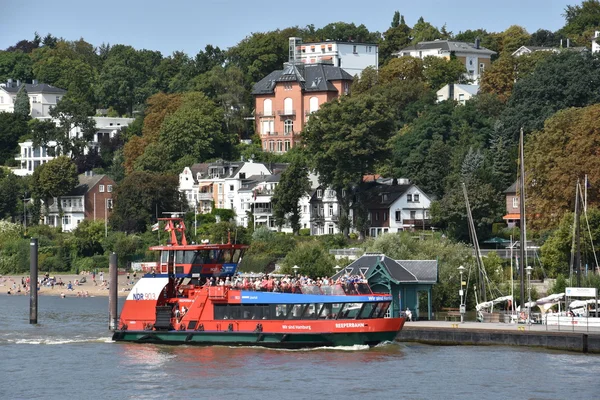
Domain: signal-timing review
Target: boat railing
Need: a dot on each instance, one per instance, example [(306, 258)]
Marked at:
[(336, 289)]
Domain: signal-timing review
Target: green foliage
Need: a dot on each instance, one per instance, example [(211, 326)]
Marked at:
[(423, 31), (22, 107), (581, 20), (558, 156), (57, 178), (548, 89), (11, 191), (14, 253), (439, 72), (347, 139), (140, 197), (294, 184), (12, 128), (312, 258), (88, 238), (257, 263)]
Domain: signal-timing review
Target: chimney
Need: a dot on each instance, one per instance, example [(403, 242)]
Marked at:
[(35, 82), (477, 42), (18, 83), (9, 83), (561, 43), (568, 42)]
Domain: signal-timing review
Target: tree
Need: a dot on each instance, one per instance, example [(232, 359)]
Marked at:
[(548, 89), (311, 258), (347, 139), (488, 40), (127, 78), (423, 31), (581, 20), (559, 155), (261, 53), (293, 185), (225, 86), (344, 32), (439, 72), (11, 190), (402, 68), (141, 197), (22, 106), (394, 39), (15, 65), (12, 128), (513, 38), (543, 38), (75, 129), (194, 129), (56, 178)]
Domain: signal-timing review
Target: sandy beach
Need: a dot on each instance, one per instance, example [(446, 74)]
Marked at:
[(86, 289)]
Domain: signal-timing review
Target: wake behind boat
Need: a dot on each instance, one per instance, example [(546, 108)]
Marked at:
[(183, 302)]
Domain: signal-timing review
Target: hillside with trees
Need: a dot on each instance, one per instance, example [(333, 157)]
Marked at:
[(192, 108)]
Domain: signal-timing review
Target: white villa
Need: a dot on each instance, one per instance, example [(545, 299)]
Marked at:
[(42, 97)]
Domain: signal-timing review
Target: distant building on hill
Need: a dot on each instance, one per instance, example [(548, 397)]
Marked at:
[(284, 99), (42, 97)]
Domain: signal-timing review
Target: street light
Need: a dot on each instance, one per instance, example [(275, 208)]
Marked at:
[(296, 268), (528, 269), (461, 293)]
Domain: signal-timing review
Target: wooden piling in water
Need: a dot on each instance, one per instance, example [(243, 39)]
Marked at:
[(33, 281), (113, 292)]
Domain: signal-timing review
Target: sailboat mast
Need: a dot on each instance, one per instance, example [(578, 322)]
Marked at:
[(577, 264), (522, 241)]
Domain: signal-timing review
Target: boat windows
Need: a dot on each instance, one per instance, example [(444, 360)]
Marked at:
[(295, 311), (184, 257), (312, 311), (350, 311), (381, 309), (237, 254), (368, 310)]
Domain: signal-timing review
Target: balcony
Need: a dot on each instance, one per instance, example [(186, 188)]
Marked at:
[(262, 211), (265, 114), (286, 113), (418, 223), (205, 196)]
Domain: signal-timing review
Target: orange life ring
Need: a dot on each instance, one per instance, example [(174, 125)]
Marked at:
[(523, 316)]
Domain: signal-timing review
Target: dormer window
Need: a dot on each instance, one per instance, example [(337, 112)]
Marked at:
[(319, 193), (384, 197)]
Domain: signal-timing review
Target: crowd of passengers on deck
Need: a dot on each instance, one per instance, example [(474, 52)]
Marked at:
[(350, 284)]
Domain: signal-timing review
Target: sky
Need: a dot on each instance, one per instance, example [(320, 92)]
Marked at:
[(189, 25)]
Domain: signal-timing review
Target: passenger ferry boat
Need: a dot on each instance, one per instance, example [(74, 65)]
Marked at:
[(181, 302)]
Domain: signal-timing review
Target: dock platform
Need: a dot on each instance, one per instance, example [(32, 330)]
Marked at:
[(579, 339)]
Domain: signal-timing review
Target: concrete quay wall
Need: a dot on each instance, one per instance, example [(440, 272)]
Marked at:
[(578, 342)]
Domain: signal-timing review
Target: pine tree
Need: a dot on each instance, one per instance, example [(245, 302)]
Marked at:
[(22, 103)]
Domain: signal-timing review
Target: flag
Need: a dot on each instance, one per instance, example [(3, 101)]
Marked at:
[(155, 227)]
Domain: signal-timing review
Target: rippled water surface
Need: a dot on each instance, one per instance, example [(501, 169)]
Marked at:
[(69, 355)]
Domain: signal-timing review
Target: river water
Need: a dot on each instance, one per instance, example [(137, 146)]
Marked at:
[(69, 355)]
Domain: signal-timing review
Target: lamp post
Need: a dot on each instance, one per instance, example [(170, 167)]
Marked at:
[(528, 269), (296, 268), (25, 212), (461, 269)]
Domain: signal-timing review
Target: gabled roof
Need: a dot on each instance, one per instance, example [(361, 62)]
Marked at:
[(424, 270), (512, 188), (310, 77), (448, 46), (366, 263), (86, 183), (471, 89), (375, 195), (199, 168), (37, 88)]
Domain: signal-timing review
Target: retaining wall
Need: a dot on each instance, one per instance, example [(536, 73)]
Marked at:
[(579, 342)]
